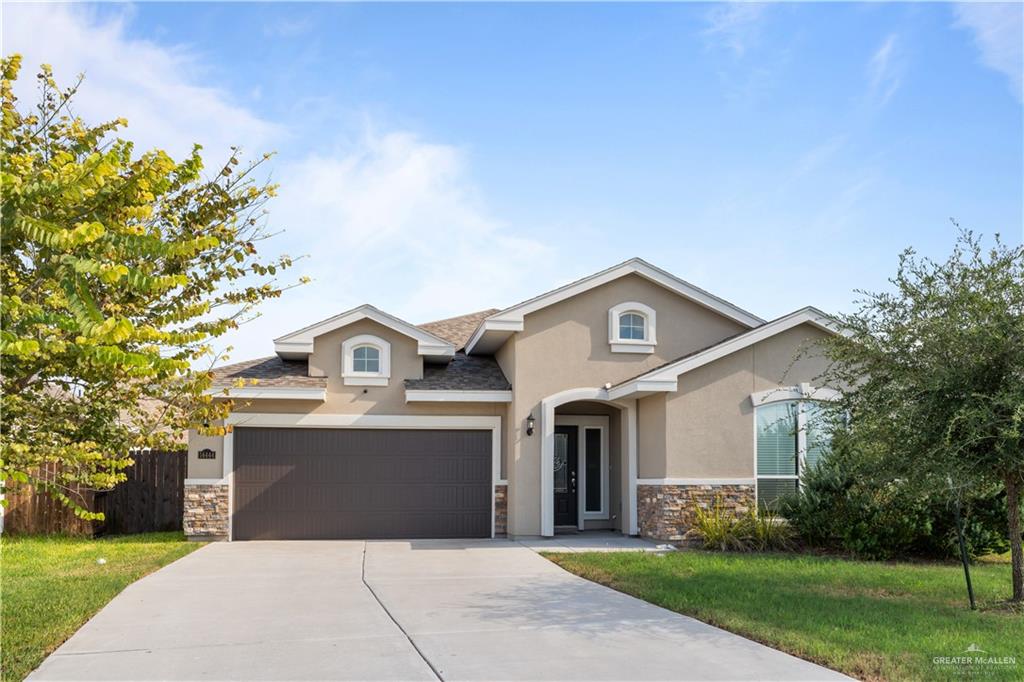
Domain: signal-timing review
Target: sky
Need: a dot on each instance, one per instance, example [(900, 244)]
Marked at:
[(437, 159)]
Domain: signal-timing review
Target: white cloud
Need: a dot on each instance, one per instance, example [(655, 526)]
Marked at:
[(735, 25), (998, 30), (156, 88), (392, 219), (885, 71), (395, 221)]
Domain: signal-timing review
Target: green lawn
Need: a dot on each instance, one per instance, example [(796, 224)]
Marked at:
[(869, 620), (49, 587)]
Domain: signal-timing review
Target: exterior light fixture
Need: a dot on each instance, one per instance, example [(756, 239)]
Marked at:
[(530, 422)]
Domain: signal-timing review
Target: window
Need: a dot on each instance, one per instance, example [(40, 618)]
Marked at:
[(593, 463), (791, 437), (366, 361), (631, 328)]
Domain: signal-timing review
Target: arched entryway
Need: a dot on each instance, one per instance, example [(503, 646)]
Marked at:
[(579, 426)]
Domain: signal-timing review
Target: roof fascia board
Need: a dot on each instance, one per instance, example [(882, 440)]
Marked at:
[(454, 396), (273, 392), (301, 341)]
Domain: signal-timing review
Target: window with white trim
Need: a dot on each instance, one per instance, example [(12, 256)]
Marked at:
[(790, 437), (631, 328), (366, 361)]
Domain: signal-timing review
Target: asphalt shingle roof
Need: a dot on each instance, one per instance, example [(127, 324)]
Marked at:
[(463, 373), (272, 371), (457, 330)]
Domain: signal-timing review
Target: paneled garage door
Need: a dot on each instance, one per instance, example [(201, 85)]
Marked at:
[(292, 484)]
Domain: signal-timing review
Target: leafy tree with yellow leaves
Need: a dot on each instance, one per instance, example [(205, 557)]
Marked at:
[(118, 270)]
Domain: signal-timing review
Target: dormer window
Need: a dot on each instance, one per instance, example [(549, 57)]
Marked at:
[(631, 328), (366, 361)]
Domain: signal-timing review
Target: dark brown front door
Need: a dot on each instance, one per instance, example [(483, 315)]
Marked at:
[(292, 484), (566, 456)]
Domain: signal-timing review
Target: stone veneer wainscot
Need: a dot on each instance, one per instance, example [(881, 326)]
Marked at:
[(667, 512), (206, 511), (500, 509)]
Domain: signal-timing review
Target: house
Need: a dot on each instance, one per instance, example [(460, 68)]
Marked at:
[(620, 401)]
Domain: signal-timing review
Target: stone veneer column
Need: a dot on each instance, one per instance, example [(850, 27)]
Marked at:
[(667, 512), (206, 511), (501, 510)]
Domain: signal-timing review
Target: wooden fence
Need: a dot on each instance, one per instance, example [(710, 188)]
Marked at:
[(151, 499)]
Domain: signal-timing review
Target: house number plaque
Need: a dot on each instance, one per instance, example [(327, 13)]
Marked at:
[(207, 453)]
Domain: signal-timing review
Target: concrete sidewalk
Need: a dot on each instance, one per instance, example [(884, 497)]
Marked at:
[(454, 610)]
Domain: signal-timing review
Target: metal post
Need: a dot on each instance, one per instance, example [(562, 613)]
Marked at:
[(963, 550)]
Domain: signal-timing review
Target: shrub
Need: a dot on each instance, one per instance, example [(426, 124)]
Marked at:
[(840, 508)]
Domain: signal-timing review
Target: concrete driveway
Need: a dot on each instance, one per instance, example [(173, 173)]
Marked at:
[(413, 610)]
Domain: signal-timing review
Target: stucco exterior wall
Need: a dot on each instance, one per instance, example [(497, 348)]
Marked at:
[(565, 346), (650, 440), (709, 421)]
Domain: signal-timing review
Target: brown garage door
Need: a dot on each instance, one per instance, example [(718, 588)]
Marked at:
[(293, 484)]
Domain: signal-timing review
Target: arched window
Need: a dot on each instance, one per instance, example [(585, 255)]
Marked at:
[(366, 361), (631, 328)]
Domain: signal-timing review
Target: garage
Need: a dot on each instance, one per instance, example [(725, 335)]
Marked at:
[(355, 483)]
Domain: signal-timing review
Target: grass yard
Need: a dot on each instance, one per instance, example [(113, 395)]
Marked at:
[(50, 586), (875, 621)]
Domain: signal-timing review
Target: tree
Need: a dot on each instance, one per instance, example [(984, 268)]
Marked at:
[(934, 372), (118, 270)]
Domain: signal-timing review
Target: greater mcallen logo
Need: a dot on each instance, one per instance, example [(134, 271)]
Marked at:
[(974, 659)]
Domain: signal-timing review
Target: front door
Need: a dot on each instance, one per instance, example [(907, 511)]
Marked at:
[(566, 456)]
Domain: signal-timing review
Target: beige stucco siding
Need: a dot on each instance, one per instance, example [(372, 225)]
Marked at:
[(565, 346), (204, 468), (709, 422), (650, 445)]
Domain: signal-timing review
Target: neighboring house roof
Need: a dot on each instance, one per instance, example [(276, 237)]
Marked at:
[(457, 330), (495, 329), (664, 377), (463, 373), (299, 344)]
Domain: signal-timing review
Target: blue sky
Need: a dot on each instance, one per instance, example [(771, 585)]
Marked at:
[(439, 159)]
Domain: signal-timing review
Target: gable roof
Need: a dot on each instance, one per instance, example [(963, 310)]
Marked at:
[(299, 344), (496, 328), (457, 330), (664, 377)]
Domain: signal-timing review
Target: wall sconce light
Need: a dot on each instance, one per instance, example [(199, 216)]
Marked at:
[(530, 422)]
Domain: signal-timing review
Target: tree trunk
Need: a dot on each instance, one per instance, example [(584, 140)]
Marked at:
[(1013, 521)]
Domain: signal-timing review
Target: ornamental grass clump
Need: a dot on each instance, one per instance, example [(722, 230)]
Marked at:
[(722, 529)]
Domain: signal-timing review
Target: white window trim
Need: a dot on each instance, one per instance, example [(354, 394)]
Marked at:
[(354, 378), (599, 423), (621, 345), (802, 395), (357, 421)]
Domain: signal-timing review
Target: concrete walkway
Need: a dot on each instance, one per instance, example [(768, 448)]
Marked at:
[(412, 610)]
